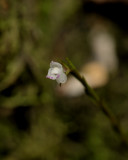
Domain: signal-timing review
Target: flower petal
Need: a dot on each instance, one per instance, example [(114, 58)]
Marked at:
[(53, 77), (49, 73), (56, 70), (55, 64), (53, 73), (62, 78)]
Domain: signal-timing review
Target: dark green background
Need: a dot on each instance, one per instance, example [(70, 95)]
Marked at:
[(35, 122)]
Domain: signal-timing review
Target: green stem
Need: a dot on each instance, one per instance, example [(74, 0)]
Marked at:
[(99, 102)]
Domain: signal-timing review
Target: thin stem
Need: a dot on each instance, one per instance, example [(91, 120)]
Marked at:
[(99, 102)]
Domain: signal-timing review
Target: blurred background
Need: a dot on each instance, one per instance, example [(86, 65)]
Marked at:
[(37, 122)]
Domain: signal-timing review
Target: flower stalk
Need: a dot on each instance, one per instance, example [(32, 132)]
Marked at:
[(98, 102)]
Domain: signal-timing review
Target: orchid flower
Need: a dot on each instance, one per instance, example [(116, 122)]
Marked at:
[(56, 72)]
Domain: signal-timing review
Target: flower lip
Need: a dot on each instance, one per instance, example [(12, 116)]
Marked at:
[(58, 76)]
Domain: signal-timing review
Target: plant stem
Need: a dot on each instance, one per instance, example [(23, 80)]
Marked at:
[(99, 102)]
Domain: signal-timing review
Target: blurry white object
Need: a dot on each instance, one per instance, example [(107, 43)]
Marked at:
[(104, 49)]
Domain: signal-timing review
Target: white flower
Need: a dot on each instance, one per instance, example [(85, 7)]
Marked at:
[(56, 72)]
